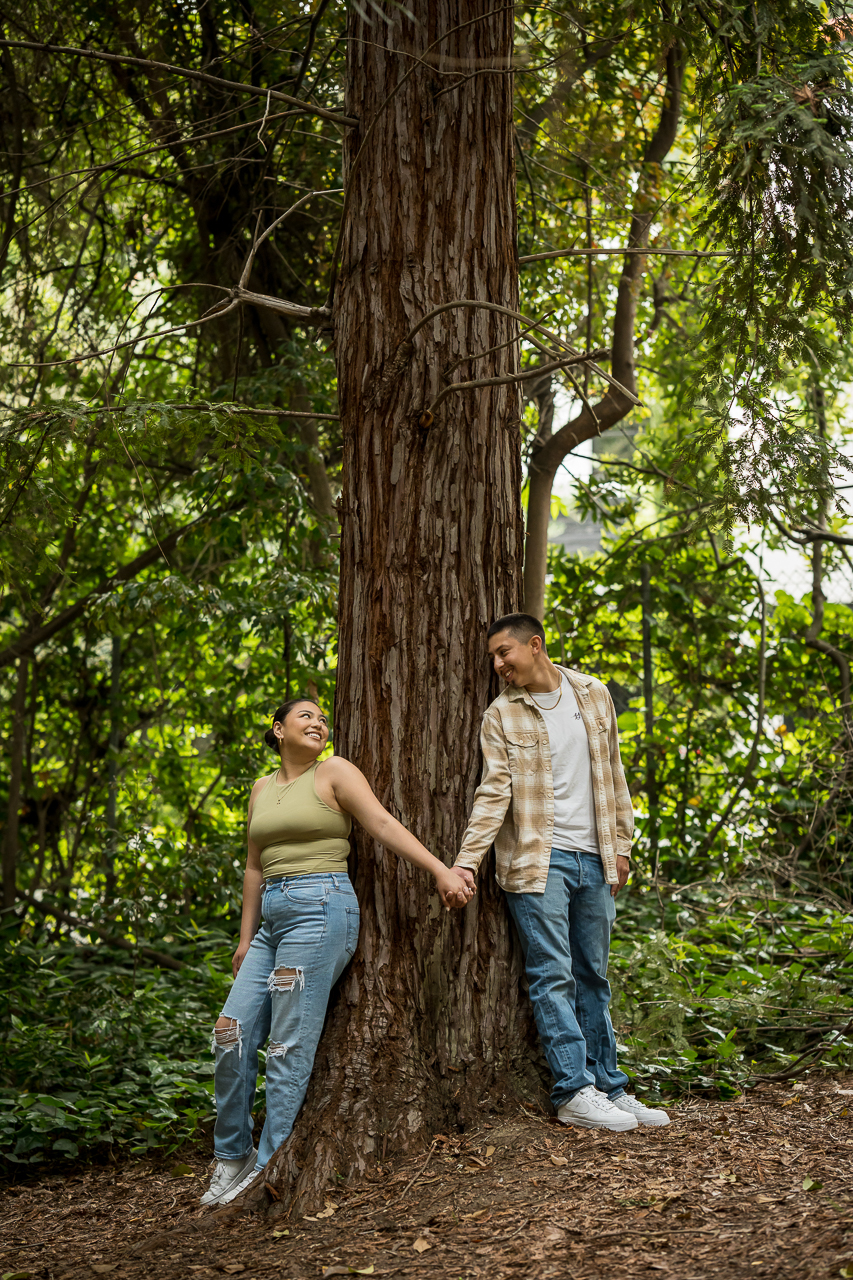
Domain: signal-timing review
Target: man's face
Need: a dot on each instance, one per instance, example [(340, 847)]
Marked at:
[(514, 659)]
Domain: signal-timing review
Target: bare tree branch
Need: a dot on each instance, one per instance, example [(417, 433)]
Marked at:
[(150, 64), (597, 253), (536, 372)]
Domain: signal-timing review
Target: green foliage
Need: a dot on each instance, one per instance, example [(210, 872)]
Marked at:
[(735, 790), (103, 1055), (734, 984)]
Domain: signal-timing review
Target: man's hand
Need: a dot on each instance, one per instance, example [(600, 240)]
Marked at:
[(623, 869), (459, 889)]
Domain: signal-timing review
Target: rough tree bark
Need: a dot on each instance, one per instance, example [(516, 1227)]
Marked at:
[(547, 455), (428, 1020)]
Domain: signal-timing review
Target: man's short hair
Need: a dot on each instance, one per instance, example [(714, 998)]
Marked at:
[(521, 625)]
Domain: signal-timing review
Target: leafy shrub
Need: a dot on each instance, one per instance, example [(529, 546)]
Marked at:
[(99, 1053)]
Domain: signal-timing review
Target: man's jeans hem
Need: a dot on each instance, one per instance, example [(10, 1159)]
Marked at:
[(617, 1093)]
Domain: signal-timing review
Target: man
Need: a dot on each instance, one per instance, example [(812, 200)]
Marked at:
[(554, 801)]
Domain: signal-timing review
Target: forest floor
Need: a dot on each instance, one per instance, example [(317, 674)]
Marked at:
[(760, 1187)]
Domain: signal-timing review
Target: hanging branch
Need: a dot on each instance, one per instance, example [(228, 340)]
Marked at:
[(148, 64)]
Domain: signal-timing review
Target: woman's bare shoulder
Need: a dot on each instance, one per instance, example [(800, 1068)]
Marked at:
[(336, 769), (259, 786)]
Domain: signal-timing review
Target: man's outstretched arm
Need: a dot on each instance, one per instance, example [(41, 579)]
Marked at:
[(491, 801)]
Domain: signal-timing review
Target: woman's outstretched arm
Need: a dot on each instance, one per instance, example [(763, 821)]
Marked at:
[(353, 794)]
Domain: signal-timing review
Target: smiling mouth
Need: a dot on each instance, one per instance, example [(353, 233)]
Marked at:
[(312, 733)]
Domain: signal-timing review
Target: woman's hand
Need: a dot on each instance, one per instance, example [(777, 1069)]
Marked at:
[(453, 890), (238, 957)]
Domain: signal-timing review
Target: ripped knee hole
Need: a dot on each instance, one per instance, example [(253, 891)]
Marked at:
[(286, 980), (228, 1034)]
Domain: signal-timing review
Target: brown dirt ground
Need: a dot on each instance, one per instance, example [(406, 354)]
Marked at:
[(720, 1192)]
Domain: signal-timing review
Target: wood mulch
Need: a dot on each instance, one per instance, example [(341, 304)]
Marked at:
[(758, 1187)]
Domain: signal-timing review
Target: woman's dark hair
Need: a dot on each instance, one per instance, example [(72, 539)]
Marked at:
[(280, 716)]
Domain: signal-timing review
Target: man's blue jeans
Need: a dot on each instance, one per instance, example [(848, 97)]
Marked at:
[(307, 937), (565, 937)]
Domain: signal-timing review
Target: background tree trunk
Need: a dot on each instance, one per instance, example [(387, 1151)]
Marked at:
[(16, 773), (428, 1018), (547, 455)]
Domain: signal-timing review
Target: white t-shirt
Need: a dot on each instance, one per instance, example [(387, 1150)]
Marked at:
[(575, 827)]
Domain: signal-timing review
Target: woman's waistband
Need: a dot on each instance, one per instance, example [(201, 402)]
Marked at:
[(338, 879)]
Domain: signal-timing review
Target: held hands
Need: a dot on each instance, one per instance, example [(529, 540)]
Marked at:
[(456, 886)]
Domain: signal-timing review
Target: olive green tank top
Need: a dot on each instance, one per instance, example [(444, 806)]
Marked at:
[(297, 833)]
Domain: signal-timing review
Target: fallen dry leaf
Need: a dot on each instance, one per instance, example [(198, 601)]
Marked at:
[(348, 1271), (328, 1211), (421, 1245), (233, 1268), (559, 1161), (490, 1151)]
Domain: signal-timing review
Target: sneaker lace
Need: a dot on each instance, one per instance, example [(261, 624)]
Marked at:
[(600, 1099)]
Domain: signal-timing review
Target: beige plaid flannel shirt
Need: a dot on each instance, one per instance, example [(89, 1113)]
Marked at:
[(514, 803)]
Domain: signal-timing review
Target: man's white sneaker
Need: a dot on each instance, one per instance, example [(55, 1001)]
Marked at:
[(590, 1109), (226, 1175), (644, 1114), (240, 1187)]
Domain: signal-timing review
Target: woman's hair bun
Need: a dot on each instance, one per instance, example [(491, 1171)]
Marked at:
[(279, 717)]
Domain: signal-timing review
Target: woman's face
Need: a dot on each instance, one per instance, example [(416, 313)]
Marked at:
[(304, 729)]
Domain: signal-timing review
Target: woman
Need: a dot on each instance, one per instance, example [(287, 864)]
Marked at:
[(296, 883)]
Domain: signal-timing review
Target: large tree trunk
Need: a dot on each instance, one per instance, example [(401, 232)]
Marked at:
[(428, 1019)]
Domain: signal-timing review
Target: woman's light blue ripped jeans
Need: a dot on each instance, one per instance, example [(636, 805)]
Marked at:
[(308, 935)]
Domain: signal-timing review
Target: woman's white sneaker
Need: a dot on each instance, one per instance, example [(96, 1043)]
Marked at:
[(226, 1175), (590, 1109), (240, 1187), (644, 1114)]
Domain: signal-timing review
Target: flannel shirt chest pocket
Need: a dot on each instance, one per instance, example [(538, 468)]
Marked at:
[(523, 750)]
